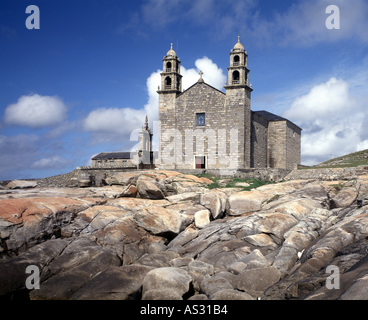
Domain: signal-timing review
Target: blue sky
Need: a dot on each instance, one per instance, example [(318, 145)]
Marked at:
[(84, 81)]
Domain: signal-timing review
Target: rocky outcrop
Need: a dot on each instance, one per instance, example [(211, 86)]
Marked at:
[(157, 235), (21, 184)]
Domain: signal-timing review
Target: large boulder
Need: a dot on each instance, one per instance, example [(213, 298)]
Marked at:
[(26, 222), (246, 202), (211, 285), (159, 220), (77, 265), (229, 294), (122, 178), (13, 272), (202, 218), (256, 281), (21, 184), (344, 198), (215, 201), (114, 283), (148, 190), (175, 279)]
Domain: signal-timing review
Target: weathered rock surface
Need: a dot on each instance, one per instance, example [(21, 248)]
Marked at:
[(158, 235), (165, 278), (21, 184)]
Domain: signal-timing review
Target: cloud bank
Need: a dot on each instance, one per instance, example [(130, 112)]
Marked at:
[(333, 121), (35, 111)]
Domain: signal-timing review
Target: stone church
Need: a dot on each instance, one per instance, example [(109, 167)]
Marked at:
[(205, 128)]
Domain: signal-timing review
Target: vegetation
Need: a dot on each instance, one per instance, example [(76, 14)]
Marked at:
[(354, 159), (219, 182)]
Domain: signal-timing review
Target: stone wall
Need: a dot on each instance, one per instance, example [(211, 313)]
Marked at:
[(259, 142), (167, 121), (200, 98), (113, 163), (225, 115), (328, 174), (239, 118), (277, 144), (293, 144)]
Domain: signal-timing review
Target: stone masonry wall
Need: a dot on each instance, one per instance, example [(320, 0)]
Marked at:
[(328, 174), (239, 118), (259, 142), (167, 121), (277, 144), (293, 143), (201, 98)]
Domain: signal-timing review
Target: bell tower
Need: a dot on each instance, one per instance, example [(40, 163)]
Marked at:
[(238, 73), (171, 86), (238, 98), (171, 77)]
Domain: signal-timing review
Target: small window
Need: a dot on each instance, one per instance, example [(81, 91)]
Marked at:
[(236, 60), (201, 119), (236, 77), (167, 83)]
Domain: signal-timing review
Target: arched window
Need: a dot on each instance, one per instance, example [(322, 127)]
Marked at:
[(236, 60), (236, 77), (168, 67), (167, 83)]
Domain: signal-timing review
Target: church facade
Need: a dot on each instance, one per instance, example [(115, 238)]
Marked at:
[(205, 128)]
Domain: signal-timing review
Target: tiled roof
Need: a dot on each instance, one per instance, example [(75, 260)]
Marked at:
[(112, 155), (272, 117)]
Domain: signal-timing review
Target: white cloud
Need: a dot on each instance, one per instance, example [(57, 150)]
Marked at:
[(35, 111), (212, 74), (324, 100), (113, 120), (55, 162), (332, 120)]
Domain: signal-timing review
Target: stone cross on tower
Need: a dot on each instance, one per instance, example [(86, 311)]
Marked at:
[(200, 76)]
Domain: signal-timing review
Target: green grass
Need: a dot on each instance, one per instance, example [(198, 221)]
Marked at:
[(253, 183), (354, 159)]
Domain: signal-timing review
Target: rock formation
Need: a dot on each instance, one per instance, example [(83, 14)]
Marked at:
[(164, 235)]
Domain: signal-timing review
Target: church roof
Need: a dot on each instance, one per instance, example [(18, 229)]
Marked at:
[(112, 155), (171, 52), (272, 117), (200, 83), (239, 45)]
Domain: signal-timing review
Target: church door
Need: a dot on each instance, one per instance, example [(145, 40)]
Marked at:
[(200, 162)]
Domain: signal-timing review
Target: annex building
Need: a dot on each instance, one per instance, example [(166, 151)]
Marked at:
[(205, 128)]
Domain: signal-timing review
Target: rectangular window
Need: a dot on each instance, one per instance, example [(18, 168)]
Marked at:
[(200, 162), (200, 119)]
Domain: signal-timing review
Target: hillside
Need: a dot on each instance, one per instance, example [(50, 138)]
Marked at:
[(350, 160)]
